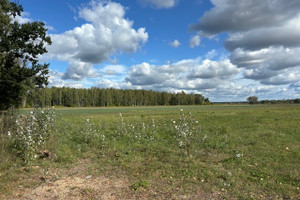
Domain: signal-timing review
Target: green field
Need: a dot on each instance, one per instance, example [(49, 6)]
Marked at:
[(220, 151)]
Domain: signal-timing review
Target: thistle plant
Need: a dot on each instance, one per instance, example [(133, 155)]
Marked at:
[(149, 131), (91, 134), (31, 131), (185, 130), (121, 128)]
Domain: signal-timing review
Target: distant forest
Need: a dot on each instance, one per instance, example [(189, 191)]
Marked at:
[(72, 97)]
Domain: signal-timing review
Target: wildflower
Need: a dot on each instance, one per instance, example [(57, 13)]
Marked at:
[(174, 122), (239, 155), (181, 143), (181, 110), (8, 133)]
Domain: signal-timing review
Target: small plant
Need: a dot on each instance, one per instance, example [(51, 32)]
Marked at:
[(89, 132), (31, 131), (139, 184), (121, 128), (185, 130)]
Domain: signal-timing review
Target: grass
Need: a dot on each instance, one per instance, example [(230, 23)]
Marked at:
[(240, 152)]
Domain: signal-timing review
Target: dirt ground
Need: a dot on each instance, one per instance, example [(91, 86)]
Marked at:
[(75, 184)]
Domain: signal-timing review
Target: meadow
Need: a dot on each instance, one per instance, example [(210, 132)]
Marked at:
[(168, 152)]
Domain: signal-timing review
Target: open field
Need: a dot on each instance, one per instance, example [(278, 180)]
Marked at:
[(220, 152)]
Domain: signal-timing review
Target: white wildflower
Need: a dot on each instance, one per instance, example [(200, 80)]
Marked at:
[(239, 155), (181, 143)]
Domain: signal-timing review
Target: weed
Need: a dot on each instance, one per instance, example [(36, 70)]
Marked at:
[(30, 132), (185, 130), (139, 184)]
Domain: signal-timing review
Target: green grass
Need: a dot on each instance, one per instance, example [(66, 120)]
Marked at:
[(250, 152)]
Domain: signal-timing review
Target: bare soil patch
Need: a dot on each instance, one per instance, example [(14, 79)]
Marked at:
[(74, 183)]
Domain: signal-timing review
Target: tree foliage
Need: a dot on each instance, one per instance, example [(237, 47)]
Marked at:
[(109, 97), (252, 100), (20, 46)]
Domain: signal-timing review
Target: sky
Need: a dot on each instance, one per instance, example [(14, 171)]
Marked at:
[(226, 50)]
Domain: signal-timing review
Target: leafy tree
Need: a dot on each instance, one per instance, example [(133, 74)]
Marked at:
[(252, 100), (20, 46)]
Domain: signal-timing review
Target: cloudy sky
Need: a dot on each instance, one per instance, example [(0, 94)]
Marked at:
[(226, 50)]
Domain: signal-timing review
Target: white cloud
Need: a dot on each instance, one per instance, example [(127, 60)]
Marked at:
[(234, 16), (285, 77), (146, 74), (286, 35), (113, 69), (55, 80), (195, 41), (185, 74), (211, 54), (263, 37), (159, 3), (296, 87), (78, 70), (106, 83), (210, 69), (22, 19), (175, 44), (106, 33)]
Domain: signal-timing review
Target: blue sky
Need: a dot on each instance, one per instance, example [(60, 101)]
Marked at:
[(226, 50)]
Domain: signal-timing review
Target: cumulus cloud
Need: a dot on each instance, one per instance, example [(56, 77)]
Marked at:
[(106, 83), (106, 33), (159, 3), (285, 77), (263, 37), (186, 74), (286, 35), (232, 15), (175, 44), (195, 41), (273, 58), (113, 69), (77, 70), (55, 80), (210, 69)]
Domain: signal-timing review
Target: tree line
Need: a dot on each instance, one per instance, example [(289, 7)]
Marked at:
[(283, 101), (254, 100), (73, 97)]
